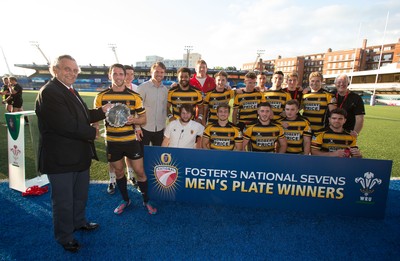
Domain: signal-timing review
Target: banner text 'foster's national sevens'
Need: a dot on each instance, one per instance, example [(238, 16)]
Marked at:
[(343, 186)]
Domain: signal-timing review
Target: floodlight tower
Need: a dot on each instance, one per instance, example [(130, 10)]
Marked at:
[(259, 53), (36, 44), (5, 60), (188, 48), (114, 48)]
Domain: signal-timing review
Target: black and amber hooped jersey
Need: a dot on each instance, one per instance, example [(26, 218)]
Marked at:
[(329, 141), (135, 104), (215, 98), (315, 108), (223, 138), (177, 97), (277, 99), (263, 137), (247, 103), (295, 130)]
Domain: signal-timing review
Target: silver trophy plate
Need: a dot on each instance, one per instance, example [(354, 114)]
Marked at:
[(117, 116)]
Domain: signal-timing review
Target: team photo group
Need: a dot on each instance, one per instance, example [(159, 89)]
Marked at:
[(198, 112)]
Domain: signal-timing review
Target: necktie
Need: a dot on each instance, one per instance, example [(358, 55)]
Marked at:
[(72, 91)]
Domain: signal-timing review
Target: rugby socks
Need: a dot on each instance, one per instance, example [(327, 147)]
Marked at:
[(112, 177), (143, 185), (121, 183), (129, 171)]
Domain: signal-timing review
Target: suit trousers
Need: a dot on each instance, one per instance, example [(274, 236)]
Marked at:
[(69, 194)]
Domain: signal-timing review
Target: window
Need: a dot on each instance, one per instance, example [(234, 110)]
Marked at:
[(387, 57)]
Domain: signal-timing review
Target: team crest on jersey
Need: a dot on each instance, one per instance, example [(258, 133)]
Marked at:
[(368, 184), (166, 175)]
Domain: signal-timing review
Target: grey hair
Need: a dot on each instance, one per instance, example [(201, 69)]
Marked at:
[(56, 62), (343, 75)]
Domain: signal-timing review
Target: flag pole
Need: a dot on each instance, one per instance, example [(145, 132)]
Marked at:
[(372, 102)]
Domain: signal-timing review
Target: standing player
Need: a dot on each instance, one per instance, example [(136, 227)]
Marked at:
[(261, 81), (222, 135), (7, 95), (130, 76), (121, 141), (276, 96), (318, 103), (184, 94), (246, 103), (297, 129), (265, 133), (16, 93), (215, 97), (295, 91)]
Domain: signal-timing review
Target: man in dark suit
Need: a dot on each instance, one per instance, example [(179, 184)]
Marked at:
[(66, 149)]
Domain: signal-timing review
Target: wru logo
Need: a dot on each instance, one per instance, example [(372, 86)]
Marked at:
[(367, 183)]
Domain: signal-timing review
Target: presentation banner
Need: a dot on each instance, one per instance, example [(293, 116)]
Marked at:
[(312, 184)]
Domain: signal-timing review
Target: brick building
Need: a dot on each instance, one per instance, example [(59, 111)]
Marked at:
[(335, 62)]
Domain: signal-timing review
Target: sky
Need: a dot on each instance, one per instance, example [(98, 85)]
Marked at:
[(225, 32)]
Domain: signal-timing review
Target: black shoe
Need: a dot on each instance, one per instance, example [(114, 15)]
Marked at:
[(72, 246), (89, 226)]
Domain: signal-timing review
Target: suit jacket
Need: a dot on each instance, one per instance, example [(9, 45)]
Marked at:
[(66, 138)]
